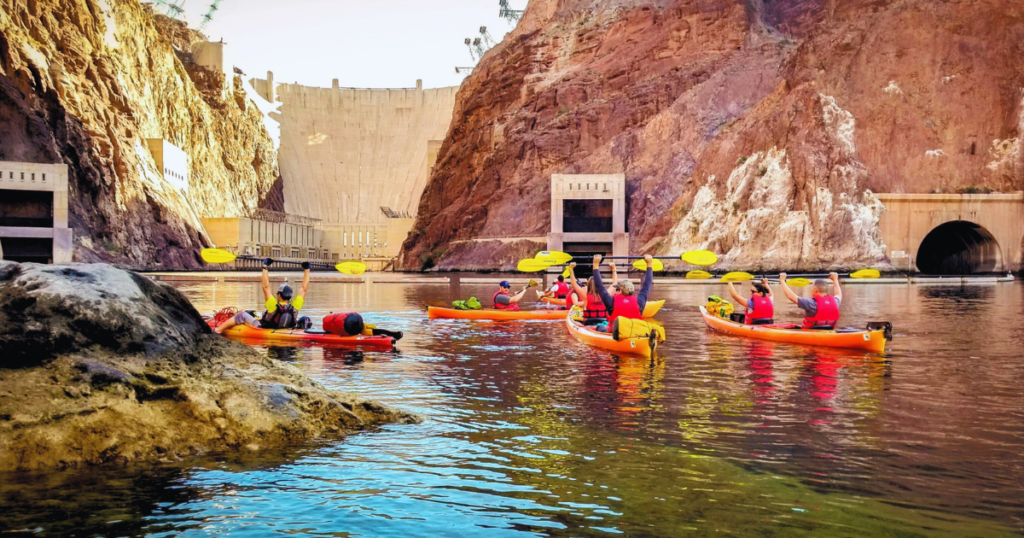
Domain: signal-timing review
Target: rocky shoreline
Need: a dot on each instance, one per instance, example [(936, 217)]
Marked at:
[(100, 365)]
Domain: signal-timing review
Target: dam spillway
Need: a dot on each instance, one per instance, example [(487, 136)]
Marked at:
[(358, 159)]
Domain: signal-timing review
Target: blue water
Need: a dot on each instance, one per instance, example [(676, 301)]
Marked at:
[(528, 432)]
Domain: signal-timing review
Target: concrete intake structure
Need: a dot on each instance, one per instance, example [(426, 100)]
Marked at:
[(34, 213), (358, 159)]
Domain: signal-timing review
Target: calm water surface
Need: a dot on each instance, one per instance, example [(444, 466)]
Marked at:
[(527, 431)]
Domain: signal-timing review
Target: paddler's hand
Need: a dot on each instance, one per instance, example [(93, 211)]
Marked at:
[(834, 277), (782, 277), (572, 265), (648, 260), (267, 262), (597, 260), (764, 281)]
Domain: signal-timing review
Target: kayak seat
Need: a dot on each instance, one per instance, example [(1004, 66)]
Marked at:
[(315, 331)]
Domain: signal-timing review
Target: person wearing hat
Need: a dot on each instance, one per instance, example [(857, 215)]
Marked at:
[(504, 300), (282, 308)]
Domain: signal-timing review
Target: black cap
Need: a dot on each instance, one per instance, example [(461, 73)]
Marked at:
[(285, 291)]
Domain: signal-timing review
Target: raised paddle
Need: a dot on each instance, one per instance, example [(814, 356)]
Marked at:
[(693, 257), (216, 255), (532, 266), (798, 281)]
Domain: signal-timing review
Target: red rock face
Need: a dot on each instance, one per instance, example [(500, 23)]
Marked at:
[(914, 96)]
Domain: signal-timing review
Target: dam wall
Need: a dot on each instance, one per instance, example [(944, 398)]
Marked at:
[(358, 159)]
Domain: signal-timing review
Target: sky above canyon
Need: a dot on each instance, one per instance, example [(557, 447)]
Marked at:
[(364, 44)]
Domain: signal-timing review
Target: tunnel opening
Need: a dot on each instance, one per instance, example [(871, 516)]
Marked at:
[(959, 247)]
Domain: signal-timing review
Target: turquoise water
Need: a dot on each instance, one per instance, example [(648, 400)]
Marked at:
[(529, 432)]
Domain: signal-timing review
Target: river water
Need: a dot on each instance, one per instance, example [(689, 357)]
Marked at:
[(528, 431)]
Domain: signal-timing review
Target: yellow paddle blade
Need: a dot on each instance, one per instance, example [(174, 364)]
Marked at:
[(532, 266), (553, 257), (737, 276), (566, 273), (798, 282), (866, 273), (216, 255), (698, 275), (700, 257), (351, 268), (655, 265), (531, 284)]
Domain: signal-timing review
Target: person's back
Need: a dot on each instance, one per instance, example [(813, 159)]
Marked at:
[(822, 310)]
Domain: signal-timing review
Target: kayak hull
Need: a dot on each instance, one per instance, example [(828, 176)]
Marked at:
[(492, 314), (300, 336), (871, 341), (632, 346)]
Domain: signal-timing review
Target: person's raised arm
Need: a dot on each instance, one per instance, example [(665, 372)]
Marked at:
[(606, 297), (265, 280), (771, 294), (785, 289), (735, 295), (838, 291), (645, 288), (305, 279), (615, 272), (580, 292)]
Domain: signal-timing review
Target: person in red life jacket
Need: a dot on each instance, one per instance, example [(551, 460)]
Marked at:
[(504, 300), (282, 310), (559, 290), (822, 310), (760, 306), (623, 301), (594, 312), (352, 324)]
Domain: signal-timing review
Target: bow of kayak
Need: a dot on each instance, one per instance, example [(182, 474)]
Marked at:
[(493, 314), (871, 341), (300, 335), (630, 346)]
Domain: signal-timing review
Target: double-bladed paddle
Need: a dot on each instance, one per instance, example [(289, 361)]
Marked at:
[(216, 255)]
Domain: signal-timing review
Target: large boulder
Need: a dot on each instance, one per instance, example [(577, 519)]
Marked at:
[(47, 310)]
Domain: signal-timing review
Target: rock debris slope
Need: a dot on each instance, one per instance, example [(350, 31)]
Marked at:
[(85, 83), (759, 129)]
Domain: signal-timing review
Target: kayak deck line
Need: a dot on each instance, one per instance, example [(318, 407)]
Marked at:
[(867, 340)]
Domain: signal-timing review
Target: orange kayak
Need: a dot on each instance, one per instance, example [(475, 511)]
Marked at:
[(872, 341), (300, 335), (631, 346), (493, 314)]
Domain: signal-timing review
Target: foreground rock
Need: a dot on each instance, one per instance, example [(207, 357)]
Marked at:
[(102, 365)]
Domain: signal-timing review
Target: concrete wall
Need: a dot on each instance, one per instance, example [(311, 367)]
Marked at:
[(46, 178), (261, 238), (345, 152), (589, 187), (171, 160), (908, 218), (215, 57)]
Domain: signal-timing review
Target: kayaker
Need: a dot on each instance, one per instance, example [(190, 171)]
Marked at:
[(504, 300), (594, 312), (560, 291), (623, 301), (822, 310), (760, 306), (282, 308)]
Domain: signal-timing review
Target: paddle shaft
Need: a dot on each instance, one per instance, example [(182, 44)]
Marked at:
[(311, 264)]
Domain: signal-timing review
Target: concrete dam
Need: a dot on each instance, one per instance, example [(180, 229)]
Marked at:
[(355, 161)]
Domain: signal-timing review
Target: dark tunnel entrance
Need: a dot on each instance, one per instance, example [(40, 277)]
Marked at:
[(958, 248)]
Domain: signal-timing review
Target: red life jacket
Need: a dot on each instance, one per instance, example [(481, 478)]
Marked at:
[(594, 308), (625, 306), (284, 317), (763, 309), (494, 302), (563, 291), (827, 316), (335, 323), (569, 300)]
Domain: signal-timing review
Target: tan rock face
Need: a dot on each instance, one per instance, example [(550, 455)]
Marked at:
[(754, 128), (85, 83)]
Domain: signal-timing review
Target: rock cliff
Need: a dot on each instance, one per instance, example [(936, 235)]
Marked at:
[(85, 83), (101, 365), (758, 129)]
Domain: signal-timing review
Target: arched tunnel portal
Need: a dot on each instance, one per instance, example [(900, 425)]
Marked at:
[(958, 247)]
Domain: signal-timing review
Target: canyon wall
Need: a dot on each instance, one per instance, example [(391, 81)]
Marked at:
[(757, 129), (85, 83)]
